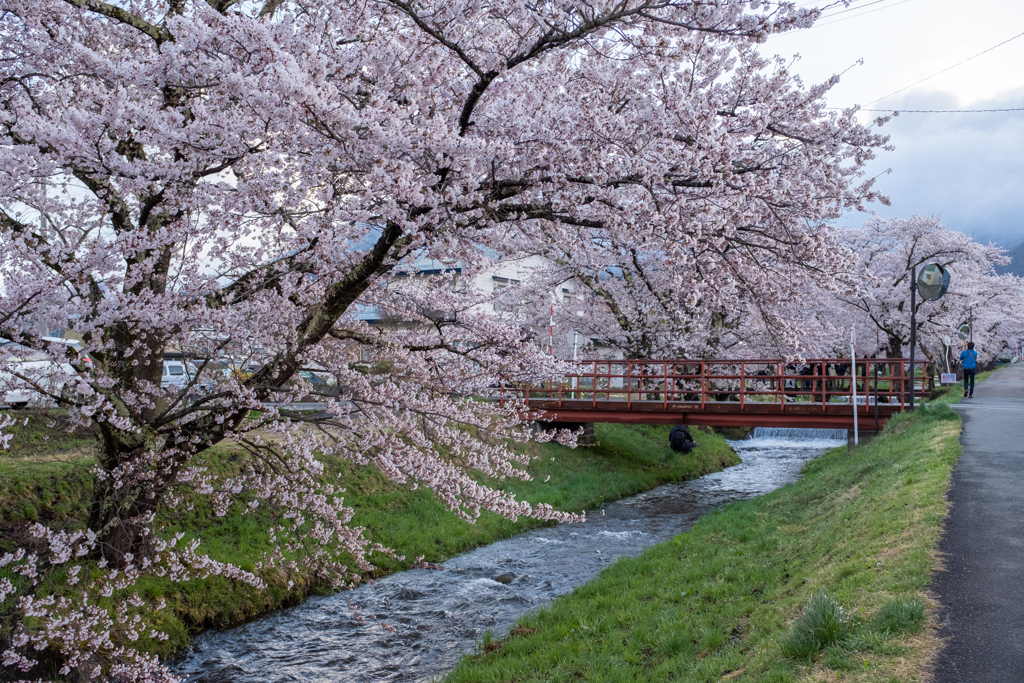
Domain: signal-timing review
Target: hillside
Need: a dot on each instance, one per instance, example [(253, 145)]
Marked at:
[(1016, 267)]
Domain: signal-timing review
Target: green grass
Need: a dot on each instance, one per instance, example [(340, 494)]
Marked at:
[(44, 473), (819, 580), (45, 477), (900, 616)]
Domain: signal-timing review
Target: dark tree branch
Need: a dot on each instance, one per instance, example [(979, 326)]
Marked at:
[(157, 33)]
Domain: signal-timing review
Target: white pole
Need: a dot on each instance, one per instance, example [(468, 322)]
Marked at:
[(551, 332), (853, 378), (575, 379)]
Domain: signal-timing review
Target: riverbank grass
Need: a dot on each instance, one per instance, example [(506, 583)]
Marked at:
[(45, 476), (823, 579)]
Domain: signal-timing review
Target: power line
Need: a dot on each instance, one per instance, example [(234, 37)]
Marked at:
[(850, 9), (816, 2), (946, 69), (930, 111), (941, 111), (829, 6), (878, 9), (938, 73)]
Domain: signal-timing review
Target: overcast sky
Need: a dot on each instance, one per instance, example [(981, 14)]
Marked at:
[(968, 168)]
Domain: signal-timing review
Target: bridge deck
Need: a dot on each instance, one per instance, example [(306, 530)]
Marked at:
[(763, 392), (718, 413)]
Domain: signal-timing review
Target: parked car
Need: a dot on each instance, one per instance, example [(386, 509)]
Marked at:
[(16, 359), (179, 374)]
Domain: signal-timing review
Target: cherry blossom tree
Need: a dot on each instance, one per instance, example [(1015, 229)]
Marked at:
[(887, 250), (778, 303), (223, 176)]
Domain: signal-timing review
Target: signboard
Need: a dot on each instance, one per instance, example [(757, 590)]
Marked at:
[(933, 282), (949, 378)]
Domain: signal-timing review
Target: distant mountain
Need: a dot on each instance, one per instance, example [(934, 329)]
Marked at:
[(1016, 266)]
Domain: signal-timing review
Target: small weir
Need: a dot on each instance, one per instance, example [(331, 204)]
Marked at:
[(415, 625), (801, 435)]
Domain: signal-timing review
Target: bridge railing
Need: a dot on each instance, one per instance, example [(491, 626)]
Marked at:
[(643, 384)]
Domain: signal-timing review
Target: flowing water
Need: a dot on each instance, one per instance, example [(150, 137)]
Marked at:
[(415, 625)]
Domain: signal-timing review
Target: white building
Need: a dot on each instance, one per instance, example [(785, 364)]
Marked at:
[(488, 286)]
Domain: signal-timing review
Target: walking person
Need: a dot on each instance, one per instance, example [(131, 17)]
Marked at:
[(969, 361)]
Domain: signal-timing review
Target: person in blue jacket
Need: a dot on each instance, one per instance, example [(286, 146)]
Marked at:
[(969, 361)]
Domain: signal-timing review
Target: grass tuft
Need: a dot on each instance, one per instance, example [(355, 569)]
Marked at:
[(900, 616), (487, 642), (822, 624)]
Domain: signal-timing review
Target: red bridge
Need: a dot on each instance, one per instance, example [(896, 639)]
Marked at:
[(751, 393)]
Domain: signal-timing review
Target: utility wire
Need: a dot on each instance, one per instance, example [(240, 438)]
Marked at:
[(877, 9), (840, 5), (938, 73), (834, 3), (849, 9), (945, 70), (941, 111)]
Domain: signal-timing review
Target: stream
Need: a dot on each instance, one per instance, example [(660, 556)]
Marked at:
[(416, 625)]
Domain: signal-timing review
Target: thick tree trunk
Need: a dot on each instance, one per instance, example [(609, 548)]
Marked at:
[(123, 519), (123, 505)]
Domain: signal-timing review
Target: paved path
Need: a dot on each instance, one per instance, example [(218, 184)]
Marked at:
[(982, 591)]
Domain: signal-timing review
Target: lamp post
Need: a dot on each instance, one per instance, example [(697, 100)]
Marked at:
[(932, 284)]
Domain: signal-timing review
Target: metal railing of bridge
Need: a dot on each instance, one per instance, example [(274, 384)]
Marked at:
[(642, 384)]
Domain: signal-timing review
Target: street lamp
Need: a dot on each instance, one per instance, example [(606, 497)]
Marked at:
[(932, 284)]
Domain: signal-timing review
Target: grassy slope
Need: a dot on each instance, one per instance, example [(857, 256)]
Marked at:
[(45, 476), (717, 602)]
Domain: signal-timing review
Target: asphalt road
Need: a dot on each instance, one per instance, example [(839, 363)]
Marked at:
[(982, 589)]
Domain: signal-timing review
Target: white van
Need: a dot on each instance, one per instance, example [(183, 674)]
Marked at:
[(177, 374), (16, 359)]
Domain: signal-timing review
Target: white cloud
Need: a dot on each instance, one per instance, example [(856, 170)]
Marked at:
[(965, 167)]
